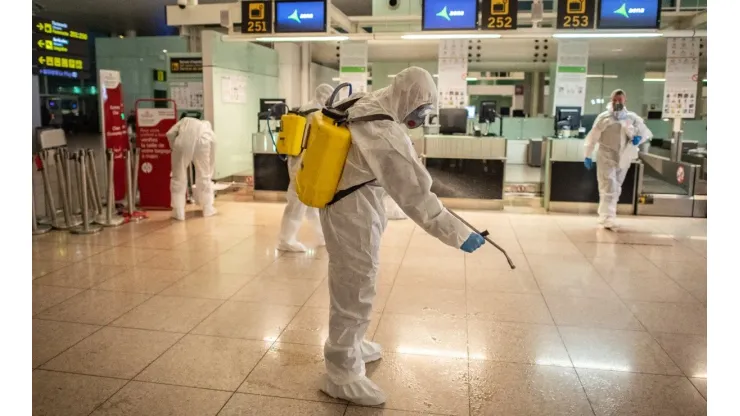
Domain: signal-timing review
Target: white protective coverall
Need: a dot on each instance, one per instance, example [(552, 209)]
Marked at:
[(295, 210), (613, 132), (353, 226), (392, 210), (192, 141)]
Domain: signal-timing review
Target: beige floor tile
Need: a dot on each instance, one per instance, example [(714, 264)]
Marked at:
[(60, 394), (432, 262), (675, 318), (516, 343), (519, 280), (701, 385), (492, 260), (618, 393), (253, 405), (168, 313), (650, 288), (206, 362), (311, 327), (387, 273), (65, 252), (51, 338), (683, 270), (213, 244), (114, 352), (593, 234), (422, 383), (615, 350), (553, 235), (125, 256), (147, 399), (444, 277), (162, 241), (588, 284), (80, 275), (320, 298), (508, 307), (560, 248), (592, 313), (274, 290), (609, 267), (239, 263), (438, 336), (247, 320), (613, 251), (374, 411), (522, 389), (96, 307), (441, 251), (290, 371), (179, 260), (426, 301), (44, 297), (689, 352), (142, 280), (670, 253), (203, 284), (297, 268), (43, 267)]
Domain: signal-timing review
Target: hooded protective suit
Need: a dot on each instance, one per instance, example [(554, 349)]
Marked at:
[(392, 210), (192, 141), (353, 226), (613, 132), (295, 210)]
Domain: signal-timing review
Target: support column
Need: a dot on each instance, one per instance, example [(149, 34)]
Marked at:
[(289, 73), (306, 94)]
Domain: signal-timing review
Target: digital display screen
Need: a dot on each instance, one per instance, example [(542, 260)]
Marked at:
[(300, 16), (449, 15), (629, 14)]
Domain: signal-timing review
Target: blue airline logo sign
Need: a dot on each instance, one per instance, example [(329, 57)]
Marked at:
[(296, 17), (626, 12), (448, 15)]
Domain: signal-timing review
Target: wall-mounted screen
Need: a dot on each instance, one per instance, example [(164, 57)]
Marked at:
[(629, 14), (300, 16), (449, 15)]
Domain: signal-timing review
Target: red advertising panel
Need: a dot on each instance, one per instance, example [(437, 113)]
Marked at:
[(114, 126), (155, 161)]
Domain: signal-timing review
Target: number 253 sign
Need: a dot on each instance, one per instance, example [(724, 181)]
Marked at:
[(576, 14), (499, 14)]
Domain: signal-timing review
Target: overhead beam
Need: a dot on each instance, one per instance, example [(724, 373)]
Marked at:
[(339, 19)]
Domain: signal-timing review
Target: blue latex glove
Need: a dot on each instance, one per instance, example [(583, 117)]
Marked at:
[(473, 243), (588, 163), (636, 140)]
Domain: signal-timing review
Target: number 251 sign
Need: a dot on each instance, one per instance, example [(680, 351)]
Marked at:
[(499, 14), (576, 14), (256, 17)]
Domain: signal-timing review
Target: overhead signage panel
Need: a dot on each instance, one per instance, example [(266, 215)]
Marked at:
[(499, 14), (186, 65), (629, 14), (256, 17), (58, 61), (576, 14), (60, 44), (57, 28), (300, 16), (449, 15)]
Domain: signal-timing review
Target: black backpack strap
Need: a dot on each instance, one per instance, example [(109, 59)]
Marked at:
[(371, 117), (306, 112), (346, 192)]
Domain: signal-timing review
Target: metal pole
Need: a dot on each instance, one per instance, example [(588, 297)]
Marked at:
[(135, 185), (66, 204), (111, 220), (48, 195), (93, 175), (46, 220), (68, 180), (86, 227), (36, 227), (129, 189)]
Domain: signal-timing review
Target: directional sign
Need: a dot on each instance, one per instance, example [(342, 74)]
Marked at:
[(55, 60), (57, 28), (256, 17), (499, 14), (52, 43), (186, 65), (576, 14)]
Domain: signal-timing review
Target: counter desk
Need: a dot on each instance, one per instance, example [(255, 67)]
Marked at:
[(271, 177)]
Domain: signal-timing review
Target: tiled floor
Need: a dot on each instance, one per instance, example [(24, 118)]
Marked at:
[(205, 317)]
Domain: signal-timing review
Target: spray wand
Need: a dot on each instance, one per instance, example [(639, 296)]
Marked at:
[(484, 234)]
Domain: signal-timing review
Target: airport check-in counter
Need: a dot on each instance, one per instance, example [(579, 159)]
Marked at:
[(271, 177), (468, 171), (672, 188), (570, 187)]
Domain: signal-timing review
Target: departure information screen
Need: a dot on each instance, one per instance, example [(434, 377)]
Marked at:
[(629, 14), (449, 15), (300, 16)]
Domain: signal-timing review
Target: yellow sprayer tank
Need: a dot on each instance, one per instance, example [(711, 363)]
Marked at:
[(290, 138), (323, 161)]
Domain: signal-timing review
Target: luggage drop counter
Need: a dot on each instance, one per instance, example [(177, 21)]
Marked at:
[(468, 171), (271, 178), (571, 188), (672, 188)]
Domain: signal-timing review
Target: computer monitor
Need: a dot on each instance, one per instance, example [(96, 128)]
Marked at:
[(655, 115), (487, 112), (518, 113), (453, 121), (567, 116), (505, 111)]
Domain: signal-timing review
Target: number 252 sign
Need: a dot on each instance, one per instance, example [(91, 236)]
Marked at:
[(499, 14)]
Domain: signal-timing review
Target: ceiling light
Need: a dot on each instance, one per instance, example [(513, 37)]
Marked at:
[(303, 39), (608, 35), (471, 79), (653, 80), (602, 76), (451, 36)]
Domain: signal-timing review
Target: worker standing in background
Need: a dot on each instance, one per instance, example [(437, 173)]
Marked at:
[(192, 141), (618, 132), (295, 210), (380, 160)]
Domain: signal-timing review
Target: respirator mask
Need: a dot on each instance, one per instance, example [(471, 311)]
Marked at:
[(618, 110), (417, 117)]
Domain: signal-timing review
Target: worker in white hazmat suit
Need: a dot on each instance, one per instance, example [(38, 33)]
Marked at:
[(381, 159), (392, 210), (192, 141), (618, 132), (295, 210)]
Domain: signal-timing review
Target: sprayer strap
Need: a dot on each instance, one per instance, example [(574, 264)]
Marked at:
[(371, 117), (346, 192)]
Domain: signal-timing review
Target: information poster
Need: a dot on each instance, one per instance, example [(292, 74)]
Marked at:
[(353, 66), (572, 70), (681, 76), (114, 128), (155, 160), (234, 89), (453, 73), (187, 95)]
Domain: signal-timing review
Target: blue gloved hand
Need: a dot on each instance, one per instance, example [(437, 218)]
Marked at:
[(636, 140), (473, 243), (588, 163)]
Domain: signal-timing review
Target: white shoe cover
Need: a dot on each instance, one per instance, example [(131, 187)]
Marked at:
[(609, 224), (371, 351), (361, 391), (209, 211), (294, 247), (178, 214)]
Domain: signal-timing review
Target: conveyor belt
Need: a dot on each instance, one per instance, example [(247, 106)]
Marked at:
[(655, 185)]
